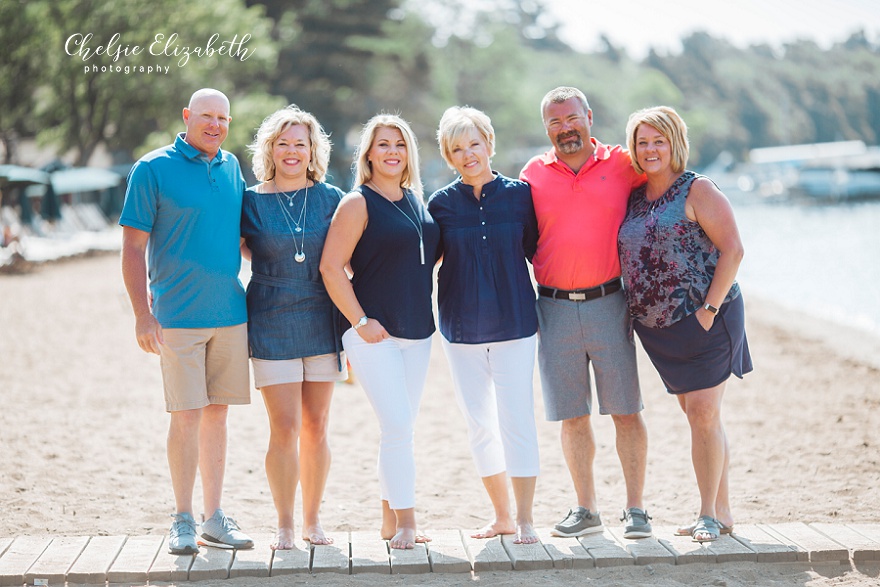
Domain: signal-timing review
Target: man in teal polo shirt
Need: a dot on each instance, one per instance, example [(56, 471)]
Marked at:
[(182, 212)]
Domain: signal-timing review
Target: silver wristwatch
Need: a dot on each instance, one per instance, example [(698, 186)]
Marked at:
[(361, 322)]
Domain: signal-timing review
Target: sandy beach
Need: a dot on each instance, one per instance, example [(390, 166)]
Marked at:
[(82, 430)]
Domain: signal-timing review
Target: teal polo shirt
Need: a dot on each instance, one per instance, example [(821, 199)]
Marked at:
[(192, 209)]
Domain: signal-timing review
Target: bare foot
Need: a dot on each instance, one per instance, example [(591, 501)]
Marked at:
[(495, 528), (404, 539), (283, 539), (315, 535), (525, 534), (421, 537), (389, 522)]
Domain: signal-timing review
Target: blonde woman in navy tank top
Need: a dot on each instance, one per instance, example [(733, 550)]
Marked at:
[(384, 234)]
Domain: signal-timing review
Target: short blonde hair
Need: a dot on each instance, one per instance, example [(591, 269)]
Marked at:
[(458, 120), (670, 124), (273, 127), (363, 169)]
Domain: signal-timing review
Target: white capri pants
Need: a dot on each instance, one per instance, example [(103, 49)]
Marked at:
[(392, 373), (493, 388)]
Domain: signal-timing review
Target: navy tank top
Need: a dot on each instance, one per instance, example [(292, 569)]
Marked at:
[(390, 281)]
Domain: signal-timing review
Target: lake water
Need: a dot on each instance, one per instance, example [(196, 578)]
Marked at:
[(819, 259)]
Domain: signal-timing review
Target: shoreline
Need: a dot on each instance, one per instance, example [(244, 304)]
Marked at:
[(847, 341)]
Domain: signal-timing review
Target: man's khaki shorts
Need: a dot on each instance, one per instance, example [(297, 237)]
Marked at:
[(202, 366)]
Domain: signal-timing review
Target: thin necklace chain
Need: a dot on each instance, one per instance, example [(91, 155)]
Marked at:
[(300, 255), (415, 222), (290, 202)]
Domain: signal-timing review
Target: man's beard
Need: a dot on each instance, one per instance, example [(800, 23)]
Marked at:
[(570, 148)]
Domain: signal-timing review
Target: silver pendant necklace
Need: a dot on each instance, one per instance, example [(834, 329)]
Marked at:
[(300, 254), (297, 227), (415, 222)]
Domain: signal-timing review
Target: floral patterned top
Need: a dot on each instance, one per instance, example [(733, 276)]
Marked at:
[(666, 259)]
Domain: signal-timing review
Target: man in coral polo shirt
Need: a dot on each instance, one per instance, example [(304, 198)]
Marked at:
[(580, 189)]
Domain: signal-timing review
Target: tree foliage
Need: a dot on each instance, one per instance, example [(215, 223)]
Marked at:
[(82, 100), (345, 60)]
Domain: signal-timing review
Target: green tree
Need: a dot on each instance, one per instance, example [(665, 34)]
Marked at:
[(24, 59), (88, 99), (333, 54)]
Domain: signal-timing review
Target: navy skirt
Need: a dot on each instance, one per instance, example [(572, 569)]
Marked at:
[(689, 358)]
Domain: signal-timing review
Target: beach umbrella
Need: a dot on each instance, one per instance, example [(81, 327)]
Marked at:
[(14, 175), (18, 176), (84, 179), (50, 209)]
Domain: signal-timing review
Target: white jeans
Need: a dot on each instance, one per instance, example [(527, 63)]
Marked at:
[(493, 388), (392, 373)]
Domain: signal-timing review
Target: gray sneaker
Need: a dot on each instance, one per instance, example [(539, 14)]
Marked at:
[(218, 530), (636, 523), (578, 522), (182, 536)]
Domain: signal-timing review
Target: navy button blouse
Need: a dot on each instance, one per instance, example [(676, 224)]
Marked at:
[(485, 292)]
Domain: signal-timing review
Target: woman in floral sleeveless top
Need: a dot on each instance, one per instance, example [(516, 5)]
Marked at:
[(679, 253)]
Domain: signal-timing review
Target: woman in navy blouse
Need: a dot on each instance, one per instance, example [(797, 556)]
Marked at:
[(487, 314)]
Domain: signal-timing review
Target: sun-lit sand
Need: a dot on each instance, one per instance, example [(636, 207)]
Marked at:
[(82, 431)]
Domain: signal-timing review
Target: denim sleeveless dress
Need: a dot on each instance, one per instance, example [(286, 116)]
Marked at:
[(290, 315)]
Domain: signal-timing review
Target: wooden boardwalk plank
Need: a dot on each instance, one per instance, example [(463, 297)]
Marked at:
[(299, 558), (411, 561), (803, 554), (211, 563), (93, 563), (566, 553), (253, 562), (170, 567), (605, 550), (728, 550), (369, 553), (820, 547), (684, 549), (487, 554), (446, 552), (871, 531), (56, 560), (19, 557), (133, 562), (766, 548), (645, 551), (526, 557), (861, 548), (331, 558)]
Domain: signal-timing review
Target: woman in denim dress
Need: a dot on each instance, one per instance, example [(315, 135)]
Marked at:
[(294, 342)]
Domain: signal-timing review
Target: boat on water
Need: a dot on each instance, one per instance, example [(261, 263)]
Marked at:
[(843, 171)]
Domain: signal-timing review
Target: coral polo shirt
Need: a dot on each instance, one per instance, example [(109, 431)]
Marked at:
[(579, 215)]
